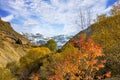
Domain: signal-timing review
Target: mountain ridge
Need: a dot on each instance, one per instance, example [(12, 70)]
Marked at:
[(12, 44)]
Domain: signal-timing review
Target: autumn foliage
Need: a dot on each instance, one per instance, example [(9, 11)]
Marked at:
[(82, 64)]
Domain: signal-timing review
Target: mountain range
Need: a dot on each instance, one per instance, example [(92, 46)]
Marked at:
[(40, 39)]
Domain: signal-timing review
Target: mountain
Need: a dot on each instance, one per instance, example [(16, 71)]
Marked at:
[(107, 34), (41, 39), (12, 44)]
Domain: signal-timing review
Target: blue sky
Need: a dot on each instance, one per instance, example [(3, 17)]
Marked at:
[(49, 17)]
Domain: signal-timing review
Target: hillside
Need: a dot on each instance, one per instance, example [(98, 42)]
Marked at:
[(12, 44), (107, 34)]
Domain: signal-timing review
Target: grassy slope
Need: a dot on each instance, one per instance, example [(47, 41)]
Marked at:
[(9, 50)]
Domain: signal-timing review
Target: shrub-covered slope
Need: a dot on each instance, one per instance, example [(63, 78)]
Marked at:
[(107, 34)]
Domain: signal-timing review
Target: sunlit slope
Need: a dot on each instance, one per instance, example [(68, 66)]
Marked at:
[(12, 44)]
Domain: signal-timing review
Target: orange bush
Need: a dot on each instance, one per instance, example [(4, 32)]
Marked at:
[(35, 77), (82, 64)]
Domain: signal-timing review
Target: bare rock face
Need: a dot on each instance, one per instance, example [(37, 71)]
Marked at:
[(18, 41)]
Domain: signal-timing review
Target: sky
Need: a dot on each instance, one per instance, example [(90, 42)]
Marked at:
[(50, 17)]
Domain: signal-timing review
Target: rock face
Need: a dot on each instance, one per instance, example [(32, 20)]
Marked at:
[(12, 44)]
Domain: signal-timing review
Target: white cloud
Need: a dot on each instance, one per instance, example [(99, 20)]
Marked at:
[(30, 23), (40, 14), (70, 29), (7, 18), (46, 30)]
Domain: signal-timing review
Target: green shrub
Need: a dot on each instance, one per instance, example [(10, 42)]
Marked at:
[(34, 54), (52, 45), (5, 74), (13, 67)]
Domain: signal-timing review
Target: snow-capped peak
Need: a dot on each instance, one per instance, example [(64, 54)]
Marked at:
[(41, 39)]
